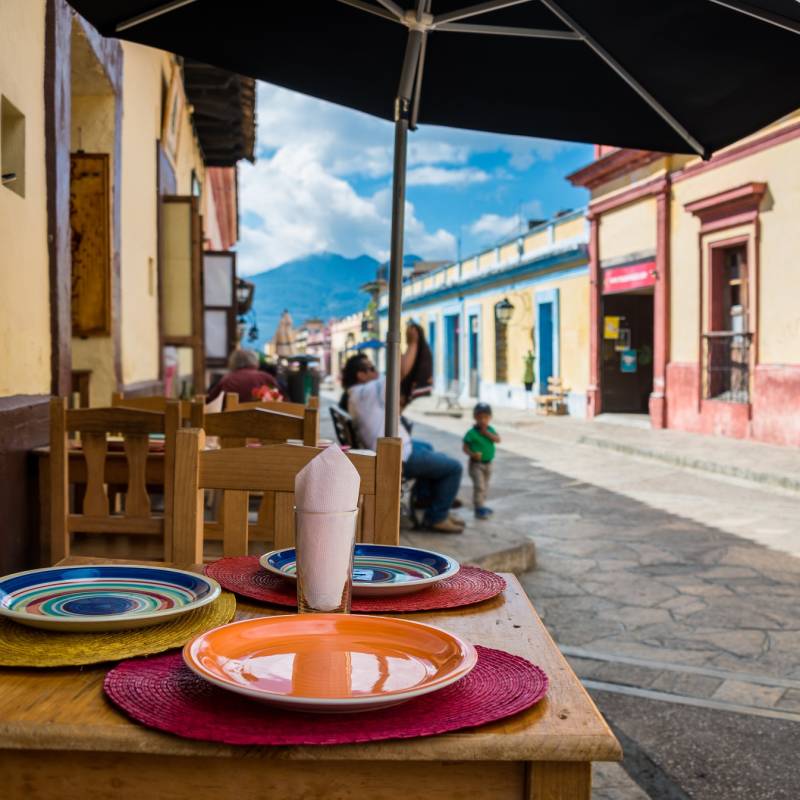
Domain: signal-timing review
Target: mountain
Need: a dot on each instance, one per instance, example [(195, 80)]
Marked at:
[(320, 285)]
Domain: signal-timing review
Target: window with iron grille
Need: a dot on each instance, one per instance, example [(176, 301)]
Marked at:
[(726, 344)]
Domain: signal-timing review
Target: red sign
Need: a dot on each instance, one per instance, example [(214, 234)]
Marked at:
[(624, 279)]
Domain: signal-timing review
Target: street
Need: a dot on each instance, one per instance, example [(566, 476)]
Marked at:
[(685, 632)]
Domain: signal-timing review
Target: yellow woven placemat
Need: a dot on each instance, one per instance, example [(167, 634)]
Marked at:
[(21, 646)]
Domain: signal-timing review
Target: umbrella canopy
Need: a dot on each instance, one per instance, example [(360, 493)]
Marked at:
[(678, 76), (370, 344)]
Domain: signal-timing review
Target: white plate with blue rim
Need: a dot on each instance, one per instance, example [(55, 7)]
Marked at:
[(378, 569), (103, 597)]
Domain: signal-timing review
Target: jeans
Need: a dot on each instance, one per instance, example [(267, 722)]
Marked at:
[(437, 475)]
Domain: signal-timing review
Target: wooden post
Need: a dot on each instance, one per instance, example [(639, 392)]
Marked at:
[(59, 487), (388, 469), (187, 524)]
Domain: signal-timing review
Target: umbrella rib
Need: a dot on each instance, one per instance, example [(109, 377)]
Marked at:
[(370, 9), (505, 30), (471, 11), (637, 87), (393, 8), (762, 16), (158, 11)]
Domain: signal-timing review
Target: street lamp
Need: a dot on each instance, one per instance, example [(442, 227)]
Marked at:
[(503, 311)]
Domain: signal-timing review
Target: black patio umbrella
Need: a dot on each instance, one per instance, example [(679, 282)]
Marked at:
[(667, 75)]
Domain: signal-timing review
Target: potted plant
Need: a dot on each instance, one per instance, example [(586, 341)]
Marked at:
[(527, 377)]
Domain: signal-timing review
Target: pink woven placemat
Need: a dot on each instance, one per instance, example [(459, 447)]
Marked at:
[(245, 576), (163, 693)]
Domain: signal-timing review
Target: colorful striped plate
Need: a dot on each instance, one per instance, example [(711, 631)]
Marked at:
[(103, 597), (378, 569)]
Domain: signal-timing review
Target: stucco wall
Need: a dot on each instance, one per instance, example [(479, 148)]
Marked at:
[(627, 230), (24, 261), (778, 278), (141, 127)]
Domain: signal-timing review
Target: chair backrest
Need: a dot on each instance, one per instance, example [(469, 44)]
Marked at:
[(268, 426), (233, 403), (343, 427), (192, 411), (89, 465), (238, 471)]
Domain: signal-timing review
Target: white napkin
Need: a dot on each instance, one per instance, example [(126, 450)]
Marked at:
[(329, 482), (327, 486)]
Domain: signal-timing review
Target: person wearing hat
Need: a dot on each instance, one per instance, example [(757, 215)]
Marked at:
[(479, 445)]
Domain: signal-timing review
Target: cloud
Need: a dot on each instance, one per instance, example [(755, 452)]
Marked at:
[(323, 176), (295, 207), (495, 226), (440, 176)]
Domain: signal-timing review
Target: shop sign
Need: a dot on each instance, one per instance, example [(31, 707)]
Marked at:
[(627, 361), (611, 327), (625, 279)]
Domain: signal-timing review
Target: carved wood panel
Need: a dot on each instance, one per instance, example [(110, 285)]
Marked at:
[(91, 257)]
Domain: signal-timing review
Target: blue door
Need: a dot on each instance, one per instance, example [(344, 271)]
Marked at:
[(545, 344), (452, 348), (432, 340), (474, 357)]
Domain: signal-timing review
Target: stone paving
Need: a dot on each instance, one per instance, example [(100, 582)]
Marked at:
[(652, 580)]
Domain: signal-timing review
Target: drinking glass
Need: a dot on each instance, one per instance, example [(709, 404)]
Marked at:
[(324, 545)]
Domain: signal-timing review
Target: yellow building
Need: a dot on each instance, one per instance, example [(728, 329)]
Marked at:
[(479, 351), (694, 262), (346, 333), (118, 206)]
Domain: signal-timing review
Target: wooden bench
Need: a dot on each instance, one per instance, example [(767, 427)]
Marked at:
[(555, 401)]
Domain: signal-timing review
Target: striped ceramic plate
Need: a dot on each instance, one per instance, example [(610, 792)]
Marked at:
[(103, 597), (378, 569)]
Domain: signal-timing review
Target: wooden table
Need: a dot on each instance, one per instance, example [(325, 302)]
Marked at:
[(61, 738)]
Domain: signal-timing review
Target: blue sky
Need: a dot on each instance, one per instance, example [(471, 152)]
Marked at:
[(322, 182)]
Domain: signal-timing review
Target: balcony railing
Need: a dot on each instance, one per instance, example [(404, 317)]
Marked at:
[(726, 366)]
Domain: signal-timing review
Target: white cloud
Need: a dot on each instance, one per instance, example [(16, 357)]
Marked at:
[(439, 176), (495, 226), (300, 196), (302, 208)]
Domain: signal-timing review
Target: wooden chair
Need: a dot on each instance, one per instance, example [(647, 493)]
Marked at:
[(233, 403), (267, 425), (237, 471), (191, 410), (555, 401), (343, 427), (92, 513)]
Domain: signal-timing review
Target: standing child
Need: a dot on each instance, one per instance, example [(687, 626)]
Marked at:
[(479, 445)]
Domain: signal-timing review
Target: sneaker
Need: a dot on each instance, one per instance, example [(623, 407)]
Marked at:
[(457, 520), (483, 513), (446, 526)]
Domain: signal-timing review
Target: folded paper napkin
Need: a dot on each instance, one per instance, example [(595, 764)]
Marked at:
[(327, 483), (325, 488)]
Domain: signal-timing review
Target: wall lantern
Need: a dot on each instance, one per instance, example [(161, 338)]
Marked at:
[(244, 295), (503, 311)]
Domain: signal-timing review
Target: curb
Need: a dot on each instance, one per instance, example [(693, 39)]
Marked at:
[(731, 470), (518, 558)]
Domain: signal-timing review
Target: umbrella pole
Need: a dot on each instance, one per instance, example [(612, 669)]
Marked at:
[(403, 107)]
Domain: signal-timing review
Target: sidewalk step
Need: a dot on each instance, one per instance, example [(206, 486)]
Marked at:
[(684, 458), (706, 687)]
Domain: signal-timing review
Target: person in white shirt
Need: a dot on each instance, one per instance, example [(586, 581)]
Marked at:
[(437, 474)]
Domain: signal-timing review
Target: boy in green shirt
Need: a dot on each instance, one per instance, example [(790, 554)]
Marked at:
[(479, 445)]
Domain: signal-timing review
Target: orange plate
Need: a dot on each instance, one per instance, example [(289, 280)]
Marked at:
[(330, 662)]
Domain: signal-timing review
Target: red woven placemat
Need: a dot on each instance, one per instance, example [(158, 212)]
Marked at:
[(163, 693), (245, 576)]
